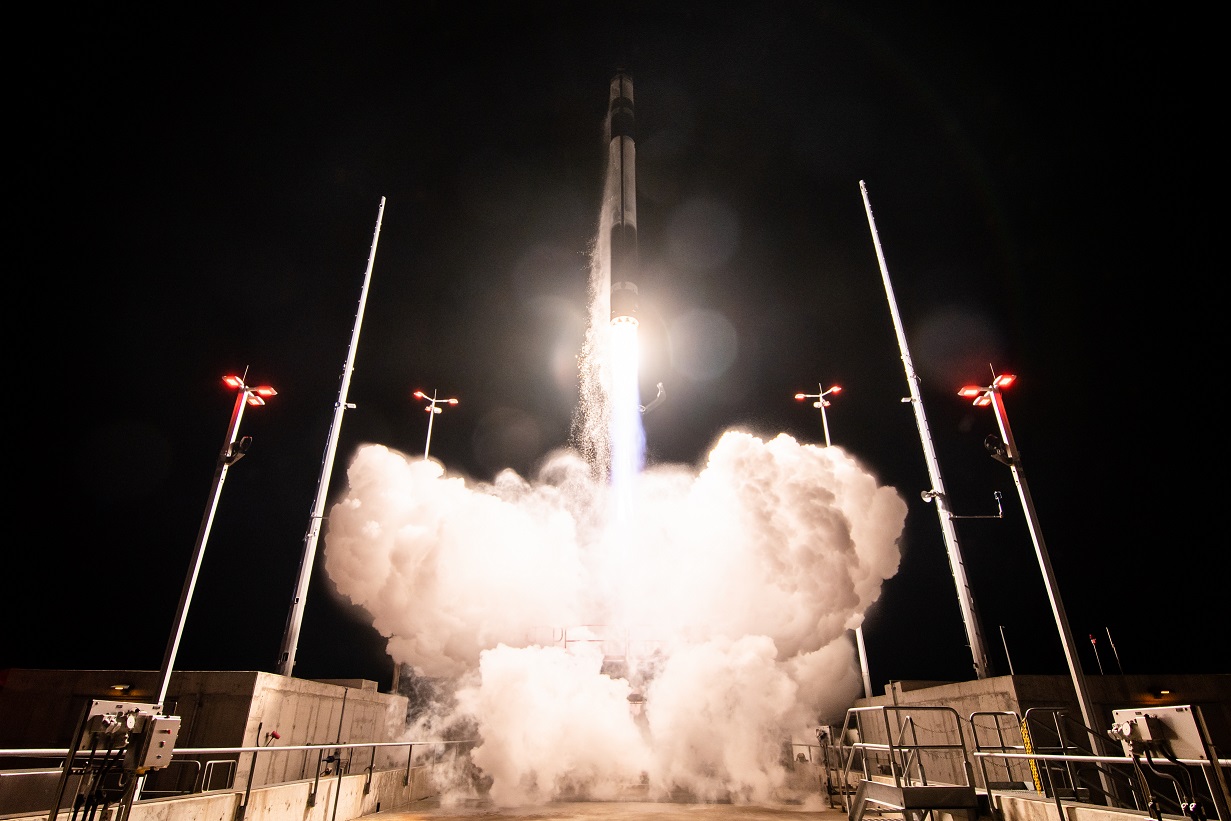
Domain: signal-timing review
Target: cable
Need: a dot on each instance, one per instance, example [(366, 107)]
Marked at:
[(1152, 806), (1188, 776), (87, 778), (1188, 802)]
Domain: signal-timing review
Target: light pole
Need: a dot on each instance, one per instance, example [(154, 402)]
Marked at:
[(232, 451), (433, 408), (1006, 453), (822, 403)]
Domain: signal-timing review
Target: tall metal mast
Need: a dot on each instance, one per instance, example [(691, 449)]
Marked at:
[(290, 639), (937, 492)]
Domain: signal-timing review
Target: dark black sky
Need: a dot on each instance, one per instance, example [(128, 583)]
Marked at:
[(196, 194)]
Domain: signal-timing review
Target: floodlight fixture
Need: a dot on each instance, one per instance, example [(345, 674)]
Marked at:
[(982, 397), (821, 403), (254, 396), (433, 408)]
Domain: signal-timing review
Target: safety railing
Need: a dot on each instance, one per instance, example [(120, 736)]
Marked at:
[(911, 760), (829, 758), (902, 743), (190, 764), (1194, 803), (206, 783), (330, 763), (1045, 754), (1002, 731), (1081, 777)]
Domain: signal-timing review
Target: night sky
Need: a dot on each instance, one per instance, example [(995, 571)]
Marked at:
[(192, 196)]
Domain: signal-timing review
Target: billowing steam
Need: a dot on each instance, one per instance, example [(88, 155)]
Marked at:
[(667, 631), (727, 600)]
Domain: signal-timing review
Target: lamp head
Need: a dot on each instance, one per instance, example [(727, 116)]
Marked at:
[(983, 396), (1004, 380)]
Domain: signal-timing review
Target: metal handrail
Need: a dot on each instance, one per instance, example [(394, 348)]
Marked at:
[(904, 749), (899, 752), (183, 762), (64, 753), (207, 775), (1001, 744), (1060, 719), (860, 741), (1071, 759)]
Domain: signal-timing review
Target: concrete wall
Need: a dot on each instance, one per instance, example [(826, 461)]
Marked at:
[(1040, 697), (311, 712), (1107, 693), (1022, 807), (335, 800), (43, 709), (47, 705)]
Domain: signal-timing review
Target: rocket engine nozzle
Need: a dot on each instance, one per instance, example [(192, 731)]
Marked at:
[(623, 303)]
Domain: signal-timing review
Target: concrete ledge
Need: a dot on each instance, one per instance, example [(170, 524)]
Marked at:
[(283, 802), (1041, 808)]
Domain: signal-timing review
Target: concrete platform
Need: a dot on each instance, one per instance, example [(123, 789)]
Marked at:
[(623, 810)]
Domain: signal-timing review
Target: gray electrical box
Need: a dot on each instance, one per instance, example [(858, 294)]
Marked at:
[(146, 736), (157, 742), (1148, 728)]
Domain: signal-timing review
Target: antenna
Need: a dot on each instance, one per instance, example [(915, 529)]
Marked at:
[(290, 639), (964, 596)]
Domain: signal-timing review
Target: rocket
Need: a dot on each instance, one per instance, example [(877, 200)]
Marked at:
[(622, 160)]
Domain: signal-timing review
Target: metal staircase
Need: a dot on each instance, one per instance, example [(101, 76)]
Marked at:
[(908, 760)]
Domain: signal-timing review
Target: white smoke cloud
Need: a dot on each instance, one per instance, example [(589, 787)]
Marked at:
[(553, 725), (448, 570), (718, 737), (729, 596)]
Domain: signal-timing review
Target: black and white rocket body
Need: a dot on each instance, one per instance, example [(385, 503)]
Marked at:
[(623, 158)]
